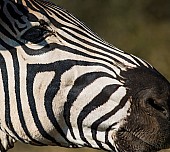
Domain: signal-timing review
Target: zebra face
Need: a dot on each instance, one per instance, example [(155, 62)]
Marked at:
[(63, 85)]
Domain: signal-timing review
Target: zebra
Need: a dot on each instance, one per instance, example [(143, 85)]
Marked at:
[(63, 85)]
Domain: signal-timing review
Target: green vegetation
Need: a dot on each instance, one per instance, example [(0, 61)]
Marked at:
[(138, 27)]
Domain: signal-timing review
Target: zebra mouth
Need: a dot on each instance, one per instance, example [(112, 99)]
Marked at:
[(137, 141)]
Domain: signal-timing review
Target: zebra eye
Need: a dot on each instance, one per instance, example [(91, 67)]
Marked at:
[(35, 34)]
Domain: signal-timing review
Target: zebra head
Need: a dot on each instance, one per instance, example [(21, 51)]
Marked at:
[(63, 85)]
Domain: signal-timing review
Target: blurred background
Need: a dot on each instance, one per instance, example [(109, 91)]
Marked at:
[(138, 27)]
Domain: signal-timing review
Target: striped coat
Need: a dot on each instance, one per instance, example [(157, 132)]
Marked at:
[(63, 85)]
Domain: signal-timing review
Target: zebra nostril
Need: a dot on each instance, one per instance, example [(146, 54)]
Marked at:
[(156, 106)]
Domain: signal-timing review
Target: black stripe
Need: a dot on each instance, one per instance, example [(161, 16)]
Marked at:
[(6, 89), (79, 84), (18, 98), (98, 101), (140, 63), (32, 70), (107, 136)]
